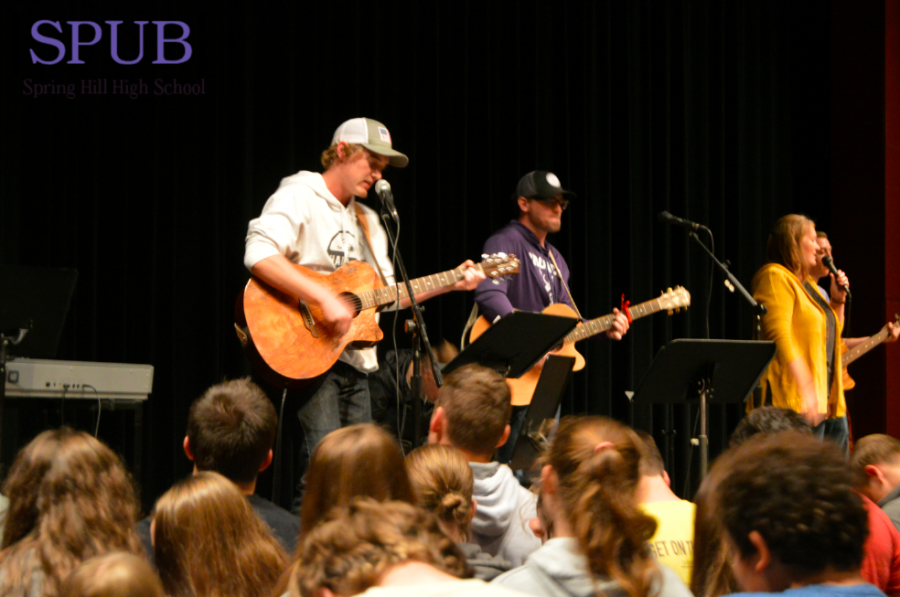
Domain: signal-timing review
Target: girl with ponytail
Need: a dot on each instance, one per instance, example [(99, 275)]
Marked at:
[(443, 482), (598, 542)]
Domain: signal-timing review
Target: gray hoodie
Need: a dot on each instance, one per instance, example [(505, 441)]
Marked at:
[(558, 569), (504, 508)]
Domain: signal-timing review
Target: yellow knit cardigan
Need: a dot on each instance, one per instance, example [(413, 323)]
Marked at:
[(797, 325)]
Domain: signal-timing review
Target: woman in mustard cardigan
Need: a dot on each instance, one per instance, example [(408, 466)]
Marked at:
[(806, 329)]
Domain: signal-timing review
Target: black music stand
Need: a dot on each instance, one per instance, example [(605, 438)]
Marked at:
[(540, 418), (515, 343), (34, 302), (724, 371)]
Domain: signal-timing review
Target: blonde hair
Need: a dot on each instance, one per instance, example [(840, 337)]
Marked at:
[(597, 484), (331, 155), (783, 246), (356, 544), (443, 482), (208, 541), (86, 506), (115, 574)]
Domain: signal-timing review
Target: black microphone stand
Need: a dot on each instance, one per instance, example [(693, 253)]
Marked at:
[(420, 334), (732, 284)]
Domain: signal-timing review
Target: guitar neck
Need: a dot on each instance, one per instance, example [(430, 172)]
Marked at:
[(389, 294), (601, 324), (861, 349)]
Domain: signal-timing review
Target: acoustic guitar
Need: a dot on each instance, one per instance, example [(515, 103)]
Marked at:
[(288, 342), (522, 388), (849, 355)]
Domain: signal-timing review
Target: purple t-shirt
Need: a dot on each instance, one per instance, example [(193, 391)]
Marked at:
[(535, 287)]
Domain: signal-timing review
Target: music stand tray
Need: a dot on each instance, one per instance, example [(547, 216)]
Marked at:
[(515, 343), (725, 371)]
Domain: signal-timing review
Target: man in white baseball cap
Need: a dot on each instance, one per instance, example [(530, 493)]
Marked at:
[(315, 221)]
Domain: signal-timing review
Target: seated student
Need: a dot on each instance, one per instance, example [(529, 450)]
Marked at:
[(115, 574), (768, 420), (597, 535), (793, 521), (471, 414), (443, 481), (383, 549), (673, 541), (86, 506), (876, 464), (209, 542), (361, 460), (230, 430), (23, 481), (881, 552)]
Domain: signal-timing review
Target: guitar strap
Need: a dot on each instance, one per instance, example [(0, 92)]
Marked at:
[(364, 226), (566, 286)]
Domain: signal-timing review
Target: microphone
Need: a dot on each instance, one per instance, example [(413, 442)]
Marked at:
[(667, 218), (828, 262), (383, 188)]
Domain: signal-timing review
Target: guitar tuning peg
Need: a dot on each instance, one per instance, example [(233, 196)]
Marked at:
[(669, 289), (670, 311), (485, 256)]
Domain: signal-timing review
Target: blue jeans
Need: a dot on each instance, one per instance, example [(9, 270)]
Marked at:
[(339, 399), (838, 431)]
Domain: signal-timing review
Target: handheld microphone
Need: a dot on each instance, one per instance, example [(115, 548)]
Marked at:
[(383, 189), (828, 262), (667, 218)]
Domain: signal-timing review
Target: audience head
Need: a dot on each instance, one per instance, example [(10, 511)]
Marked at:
[(472, 412), (652, 464), (359, 460), (207, 540), (231, 430), (115, 574), (588, 481), (86, 506), (711, 574), (788, 507), (357, 544), (768, 420), (875, 463), (23, 481), (788, 244), (443, 482)]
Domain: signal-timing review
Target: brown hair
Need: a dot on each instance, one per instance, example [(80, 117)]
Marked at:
[(651, 460), (477, 406), (330, 155), (359, 460), (796, 491), (208, 541), (872, 449), (24, 480), (357, 543), (443, 482), (86, 507), (231, 429), (115, 574), (783, 246), (711, 573), (768, 420), (596, 488)]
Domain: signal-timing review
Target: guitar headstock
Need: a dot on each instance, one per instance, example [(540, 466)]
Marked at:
[(499, 264), (675, 300)]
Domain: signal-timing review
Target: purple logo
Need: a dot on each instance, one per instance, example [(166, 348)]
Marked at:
[(42, 32)]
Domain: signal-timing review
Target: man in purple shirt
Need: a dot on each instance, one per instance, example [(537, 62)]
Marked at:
[(543, 273)]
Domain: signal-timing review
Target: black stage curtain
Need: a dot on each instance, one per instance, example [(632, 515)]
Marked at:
[(715, 111)]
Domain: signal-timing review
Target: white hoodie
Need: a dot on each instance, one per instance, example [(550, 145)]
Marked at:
[(304, 222), (504, 508)]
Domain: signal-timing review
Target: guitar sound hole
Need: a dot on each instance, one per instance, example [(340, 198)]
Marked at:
[(354, 302)]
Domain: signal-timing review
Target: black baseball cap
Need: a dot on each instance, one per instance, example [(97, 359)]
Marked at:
[(540, 185)]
